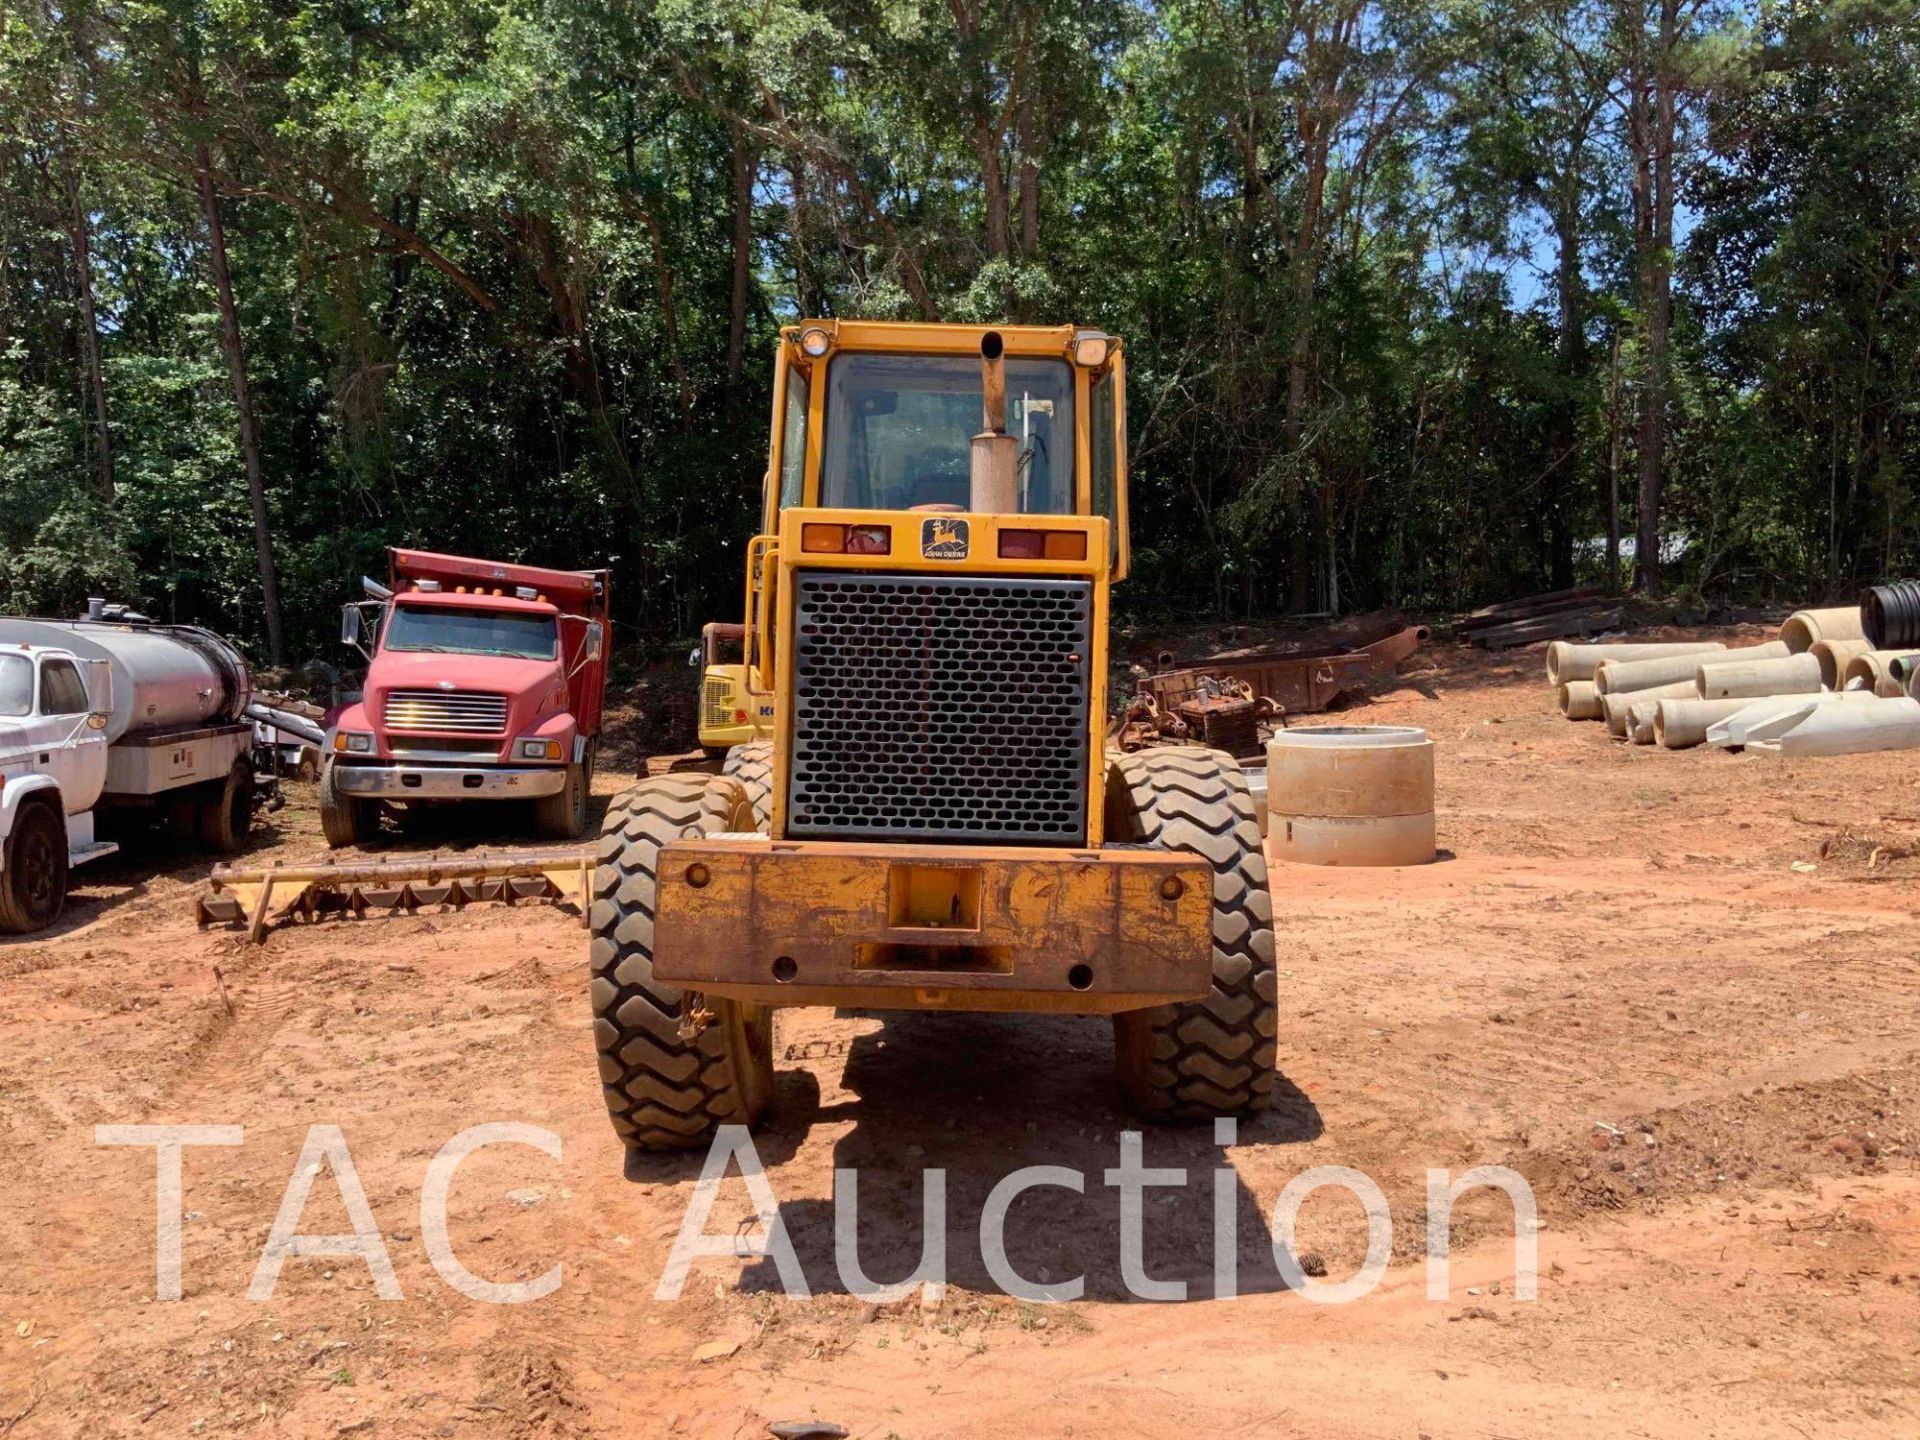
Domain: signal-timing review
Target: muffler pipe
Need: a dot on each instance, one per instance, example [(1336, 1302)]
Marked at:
[(993, 483)]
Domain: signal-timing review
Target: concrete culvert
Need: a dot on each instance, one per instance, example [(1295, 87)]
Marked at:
[(1640, 717), (1619, 677), (1833, 656), (1569, 660), (1806, 628), (1797, 674), (1871, 724), (1680, 724), (1578, 701), (1613, 708), (1873, 670), (1767, 717), (1351, 795)]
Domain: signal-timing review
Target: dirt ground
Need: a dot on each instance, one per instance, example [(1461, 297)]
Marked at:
[(1679, 993)]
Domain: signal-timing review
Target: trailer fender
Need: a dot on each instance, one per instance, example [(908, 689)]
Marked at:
[(15, 792)]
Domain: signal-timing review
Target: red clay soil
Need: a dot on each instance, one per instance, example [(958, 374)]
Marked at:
[(1678, 992)]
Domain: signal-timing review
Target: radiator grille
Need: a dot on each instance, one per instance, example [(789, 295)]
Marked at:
[(940, 709), (718, 694), (463, 712)]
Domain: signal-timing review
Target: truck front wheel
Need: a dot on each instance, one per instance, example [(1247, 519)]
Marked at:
[(674, 1064), (33, 881), (1215, 1056), (345, 820), (563, 815)]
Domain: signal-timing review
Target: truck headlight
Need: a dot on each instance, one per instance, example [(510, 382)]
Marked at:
[(353, 742), (539, 750)]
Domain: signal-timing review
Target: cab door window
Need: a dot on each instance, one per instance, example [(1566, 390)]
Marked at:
[(1103, 444), (62, 692), (793, 441)]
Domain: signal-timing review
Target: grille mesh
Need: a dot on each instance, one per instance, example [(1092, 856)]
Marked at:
[(463, 711), (940, 709), (717, 695)]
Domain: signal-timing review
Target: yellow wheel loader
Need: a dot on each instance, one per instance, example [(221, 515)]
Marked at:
[(935, 822)]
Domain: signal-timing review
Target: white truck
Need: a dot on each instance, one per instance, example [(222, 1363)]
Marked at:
[(113, 712)]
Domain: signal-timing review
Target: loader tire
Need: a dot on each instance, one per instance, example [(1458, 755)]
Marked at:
[(752, 765), (222, 822), (33, 879), (1194, 1060), (669, 1078), (345, 820)]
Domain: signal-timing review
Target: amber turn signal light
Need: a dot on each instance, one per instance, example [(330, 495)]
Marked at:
[(1043, 545), (823, 539)]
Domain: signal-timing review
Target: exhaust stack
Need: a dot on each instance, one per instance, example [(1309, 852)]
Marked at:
[(993, 480)]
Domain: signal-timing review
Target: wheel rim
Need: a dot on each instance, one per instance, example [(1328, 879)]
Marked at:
[(38, 870)]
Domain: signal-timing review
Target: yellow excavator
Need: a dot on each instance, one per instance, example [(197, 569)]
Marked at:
[(934, 821), (731, 712)]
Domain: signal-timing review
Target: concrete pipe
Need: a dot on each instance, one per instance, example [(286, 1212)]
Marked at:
[(1833, 656), (1619, 677), (1871, 724), (1350, 795), (1640, 717), (1613, 708), (1873, 671), (1806, 628), (1578, 700), (1795, 675), (1680, 724), (1569, 660), (1769, 716)]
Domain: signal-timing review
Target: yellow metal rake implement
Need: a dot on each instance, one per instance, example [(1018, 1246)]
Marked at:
[(260, 897)]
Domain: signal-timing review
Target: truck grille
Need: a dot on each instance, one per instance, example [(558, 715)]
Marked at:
[(718, 695), (461, 711), (940, 709)]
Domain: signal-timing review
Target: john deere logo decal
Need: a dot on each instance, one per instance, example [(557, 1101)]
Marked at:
[(943, 538)]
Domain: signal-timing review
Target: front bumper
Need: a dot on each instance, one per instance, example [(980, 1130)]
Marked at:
[(933, 927), (449, 782)]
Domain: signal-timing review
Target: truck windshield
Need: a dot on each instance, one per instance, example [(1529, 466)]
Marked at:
[(472, 632), (16, 685), (899, 427)]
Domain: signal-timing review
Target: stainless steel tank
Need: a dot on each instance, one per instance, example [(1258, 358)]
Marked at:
[(163, 675)]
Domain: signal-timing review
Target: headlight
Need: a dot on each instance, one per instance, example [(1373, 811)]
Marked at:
[(353, 742), (539, 750)]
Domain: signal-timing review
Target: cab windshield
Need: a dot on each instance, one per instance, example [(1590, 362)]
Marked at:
[(899, 430), (472, 632)]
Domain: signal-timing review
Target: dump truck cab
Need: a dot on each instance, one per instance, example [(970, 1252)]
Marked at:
[(485, 681), (935, 821)]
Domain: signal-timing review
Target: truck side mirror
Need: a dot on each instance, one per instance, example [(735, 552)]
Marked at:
[(349, 624), (590, 643), (99, 692)]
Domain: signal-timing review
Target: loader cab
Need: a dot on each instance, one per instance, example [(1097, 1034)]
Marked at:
[(883, 417)]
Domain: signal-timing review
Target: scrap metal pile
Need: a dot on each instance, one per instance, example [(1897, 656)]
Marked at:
[(1834, 682), (1235, 701)]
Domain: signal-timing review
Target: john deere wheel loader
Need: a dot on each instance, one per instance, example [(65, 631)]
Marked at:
[(936, 823)]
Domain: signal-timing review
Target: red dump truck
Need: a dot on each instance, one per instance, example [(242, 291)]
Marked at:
[(484, 682)]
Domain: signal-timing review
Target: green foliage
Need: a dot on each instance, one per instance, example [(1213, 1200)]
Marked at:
[(1373, 260)]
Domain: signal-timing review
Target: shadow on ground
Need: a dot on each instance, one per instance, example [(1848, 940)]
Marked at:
[(981, 1097)]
